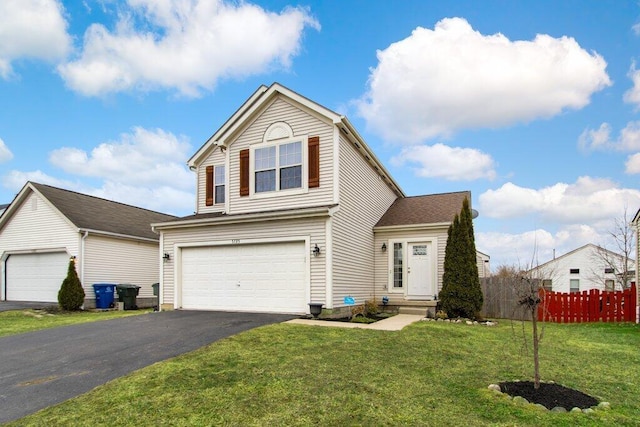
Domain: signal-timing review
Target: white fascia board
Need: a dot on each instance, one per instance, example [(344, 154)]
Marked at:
[(351, 132), (412, 227), (245, 218), (231, 121), (117, 235)]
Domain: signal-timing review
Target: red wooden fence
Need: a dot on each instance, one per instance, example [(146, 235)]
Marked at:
[(588, 306)]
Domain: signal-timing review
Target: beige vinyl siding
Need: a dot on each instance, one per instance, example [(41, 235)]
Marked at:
[(364, 197), (110, 260), (302, 123), (216, 158), (313, 228), (382, 268)]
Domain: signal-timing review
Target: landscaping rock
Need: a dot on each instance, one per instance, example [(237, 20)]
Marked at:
[(541, 407), (576, 409), (558, 409), (604, 405), (494, 387), (520, 400), (588, 411)]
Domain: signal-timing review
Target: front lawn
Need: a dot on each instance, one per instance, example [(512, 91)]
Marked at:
[(429, 374), (21, 321)]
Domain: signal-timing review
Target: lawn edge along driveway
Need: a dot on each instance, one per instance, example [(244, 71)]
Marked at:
[(46, 367)]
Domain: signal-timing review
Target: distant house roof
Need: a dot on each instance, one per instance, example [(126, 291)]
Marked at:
[(93, 213), (429, 209)]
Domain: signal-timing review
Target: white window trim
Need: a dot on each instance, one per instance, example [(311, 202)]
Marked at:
[(277, 192), (216, 184), (390, 250)]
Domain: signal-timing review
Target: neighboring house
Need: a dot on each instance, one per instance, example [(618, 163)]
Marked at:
[(484, 269), (44, 227), (293, 207), (3, 208), (585, 268)]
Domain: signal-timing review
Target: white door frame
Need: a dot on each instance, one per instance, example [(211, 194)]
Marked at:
[(406, 242)]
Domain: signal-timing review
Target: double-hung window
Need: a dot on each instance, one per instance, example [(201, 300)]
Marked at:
[(278, 167), (219, 184)]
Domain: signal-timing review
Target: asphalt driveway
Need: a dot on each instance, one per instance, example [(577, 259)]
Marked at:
[(40, 369)]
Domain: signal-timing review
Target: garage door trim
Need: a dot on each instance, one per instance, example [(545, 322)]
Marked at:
[(237, 242)]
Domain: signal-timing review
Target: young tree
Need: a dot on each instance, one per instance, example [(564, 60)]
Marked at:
[(71, 293), (619, 261), (461, 294)]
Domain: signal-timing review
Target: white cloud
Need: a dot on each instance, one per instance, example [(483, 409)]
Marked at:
[(186, 45), (438, 81), (600, 139), (632, 96), (142, 158), (5, 153), (532, 248), (588, 200), (451, 163), (32, 29), (15, 180), (145, 168), (632, 165)]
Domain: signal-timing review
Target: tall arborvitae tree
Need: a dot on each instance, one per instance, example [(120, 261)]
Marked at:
[(461, 294), (71, 294)]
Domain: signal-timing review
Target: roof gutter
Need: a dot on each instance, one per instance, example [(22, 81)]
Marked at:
[(246, 218), (117, 235), (352, 133)]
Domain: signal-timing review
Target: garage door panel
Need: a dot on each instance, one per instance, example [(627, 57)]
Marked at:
[(266, 277), (35, 277)]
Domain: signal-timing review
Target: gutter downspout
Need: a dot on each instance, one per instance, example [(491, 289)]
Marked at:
[(82, 244)]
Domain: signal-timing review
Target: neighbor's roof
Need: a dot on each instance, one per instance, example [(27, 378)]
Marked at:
[(96, 214), (429, 209)]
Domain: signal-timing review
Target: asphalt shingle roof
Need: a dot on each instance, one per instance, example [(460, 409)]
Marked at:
[(429, 209), (94, 213)]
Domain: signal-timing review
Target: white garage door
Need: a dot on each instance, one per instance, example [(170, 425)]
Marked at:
[(35, 277), (262, 277)]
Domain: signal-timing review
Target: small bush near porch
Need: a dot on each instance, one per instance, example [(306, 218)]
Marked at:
[(428, 374)]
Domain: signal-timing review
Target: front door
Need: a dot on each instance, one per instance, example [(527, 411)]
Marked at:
[(420, 280)]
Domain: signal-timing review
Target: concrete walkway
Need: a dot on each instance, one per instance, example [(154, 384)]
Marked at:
[(394, 323)]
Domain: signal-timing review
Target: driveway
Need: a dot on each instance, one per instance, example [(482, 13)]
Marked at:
[(40, 369)]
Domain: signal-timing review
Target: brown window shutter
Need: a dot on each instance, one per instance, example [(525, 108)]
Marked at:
[(314, 161), (244, 172), (209, 186)]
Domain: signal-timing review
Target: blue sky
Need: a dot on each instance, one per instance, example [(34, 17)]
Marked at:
[(533, 106)]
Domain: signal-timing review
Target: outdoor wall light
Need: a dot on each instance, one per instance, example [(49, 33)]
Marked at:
[(384, 247), (166, 257), (316, 250)]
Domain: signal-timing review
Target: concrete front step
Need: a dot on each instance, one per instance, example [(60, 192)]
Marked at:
[(413, 310)]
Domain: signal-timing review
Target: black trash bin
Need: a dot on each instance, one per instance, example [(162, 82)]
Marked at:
[(104, 294), (156, 293), (127, 294)]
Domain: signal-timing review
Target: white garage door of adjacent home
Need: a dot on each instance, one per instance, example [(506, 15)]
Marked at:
[(268, 277), (35, 277)]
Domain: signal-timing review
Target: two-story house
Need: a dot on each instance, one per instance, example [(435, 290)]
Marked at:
[(292, 207), (587, 267)]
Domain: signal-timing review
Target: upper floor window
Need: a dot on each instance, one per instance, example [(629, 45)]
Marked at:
[(219, 178), (574, 271), (215, 185), (609, 270), (278, 167)]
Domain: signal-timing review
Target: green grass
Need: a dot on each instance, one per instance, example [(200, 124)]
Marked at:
[(21, 321), (429, 374)]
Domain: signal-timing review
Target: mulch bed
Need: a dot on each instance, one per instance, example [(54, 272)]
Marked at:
[(549, 395)]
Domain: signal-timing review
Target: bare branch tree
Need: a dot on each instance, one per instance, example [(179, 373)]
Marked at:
[(618, 262)]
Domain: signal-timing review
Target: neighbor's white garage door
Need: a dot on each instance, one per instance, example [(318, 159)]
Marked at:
[(35, 277), (262, 277)]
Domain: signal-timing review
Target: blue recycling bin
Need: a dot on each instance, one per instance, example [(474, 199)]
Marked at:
[(104, 294)]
